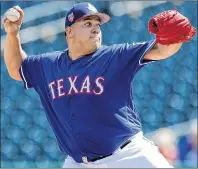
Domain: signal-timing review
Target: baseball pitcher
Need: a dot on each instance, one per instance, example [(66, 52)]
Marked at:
[(86, 90)]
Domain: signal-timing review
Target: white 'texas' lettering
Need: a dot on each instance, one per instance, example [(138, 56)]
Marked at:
[(72, 84), (99, 85), (86, 85), (60, 87), (52, 89)]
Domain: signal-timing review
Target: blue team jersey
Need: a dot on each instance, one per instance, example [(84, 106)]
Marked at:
[(88, 101)]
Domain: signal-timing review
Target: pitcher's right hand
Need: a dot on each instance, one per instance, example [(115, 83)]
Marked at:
[(13, 27)]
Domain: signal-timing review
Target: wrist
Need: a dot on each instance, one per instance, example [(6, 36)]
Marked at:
[(13, 34)]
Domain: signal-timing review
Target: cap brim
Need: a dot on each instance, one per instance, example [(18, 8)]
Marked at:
[(104, 18)]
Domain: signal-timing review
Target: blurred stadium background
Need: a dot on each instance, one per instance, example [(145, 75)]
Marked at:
[(165, 92)]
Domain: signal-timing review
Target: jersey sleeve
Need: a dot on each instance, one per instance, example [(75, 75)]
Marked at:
[(132, 55), (30, 70)]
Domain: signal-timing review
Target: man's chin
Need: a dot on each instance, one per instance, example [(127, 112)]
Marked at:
[(96, 45)]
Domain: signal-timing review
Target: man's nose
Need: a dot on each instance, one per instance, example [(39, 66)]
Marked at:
[(96, 30)]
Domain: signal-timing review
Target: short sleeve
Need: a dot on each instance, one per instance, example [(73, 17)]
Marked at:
[(137, 51), (30, 70), (131, 56)]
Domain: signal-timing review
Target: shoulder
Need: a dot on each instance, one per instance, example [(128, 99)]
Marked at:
[(134, 46), (122, 46), (119, 48), (47, 57), (109, 51), (112, 48), (115, 46), (52, 55)]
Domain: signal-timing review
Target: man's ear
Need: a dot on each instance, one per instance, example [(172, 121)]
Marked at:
[(68, 32)]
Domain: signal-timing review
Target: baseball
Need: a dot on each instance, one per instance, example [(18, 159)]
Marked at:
[(12, 14)]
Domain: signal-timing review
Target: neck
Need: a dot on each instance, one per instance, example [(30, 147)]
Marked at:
[(76, 52)]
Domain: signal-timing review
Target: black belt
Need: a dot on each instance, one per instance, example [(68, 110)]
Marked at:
[(101, 157)]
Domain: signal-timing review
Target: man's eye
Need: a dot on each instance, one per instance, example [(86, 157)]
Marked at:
[(88, 24)]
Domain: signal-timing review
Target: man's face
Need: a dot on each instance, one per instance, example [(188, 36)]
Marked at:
[(87, 33)]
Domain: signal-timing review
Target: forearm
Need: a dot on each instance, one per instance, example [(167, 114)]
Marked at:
[(13, 55), (167, 51), (159, 52)]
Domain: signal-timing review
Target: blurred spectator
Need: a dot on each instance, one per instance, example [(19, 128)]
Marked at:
[(187, 147), (165, 140)]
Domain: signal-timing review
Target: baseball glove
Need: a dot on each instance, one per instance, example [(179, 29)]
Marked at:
[(171, 27)]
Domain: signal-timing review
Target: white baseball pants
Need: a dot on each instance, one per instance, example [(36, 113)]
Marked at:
[(140, 153)]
